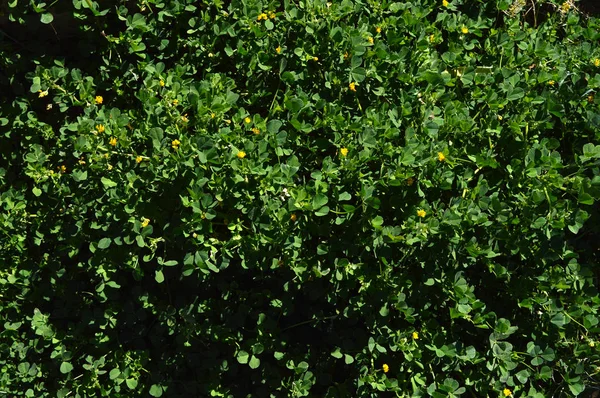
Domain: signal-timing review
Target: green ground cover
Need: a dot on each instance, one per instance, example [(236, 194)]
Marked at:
[(265, 199)]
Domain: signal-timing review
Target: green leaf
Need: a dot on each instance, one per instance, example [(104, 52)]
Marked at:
[(559, 319), (108, 183), (36, 191), (585, 199), (243, 357), (131, 383), (158, 276), (46, 18), (156, 390), (254, 362), (104, 243), (79, 175), (337, 353), (319, 201), (65, 367), (323, 211)]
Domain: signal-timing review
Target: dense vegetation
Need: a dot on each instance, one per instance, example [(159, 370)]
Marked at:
[(357, 198)]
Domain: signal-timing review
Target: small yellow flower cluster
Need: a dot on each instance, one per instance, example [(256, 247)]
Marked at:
[(185, 119), (113, 141), (212, 115), (378, 29), (262, 16), (410, 181), (293, 217), (565, 7), (352, 86), (507, 392), (551, 82), (175, 144), (139, 159), (445, 3), (431, 38), (597, 62), (421, 213), (175, 101), (464, 30), (99, 100), (161, 83), (415, 336), (271, 15), (346, 55), (255, 130), (145, 222), (441, 157), (278, 49), (42, 93), (100, 128), (370, 39), (241, 154), (590, 98), (315, 59), (385, 368), (62, 169), (247, 120), (344, 152)]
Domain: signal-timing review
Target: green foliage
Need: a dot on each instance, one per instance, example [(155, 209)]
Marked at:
[(344, 199)]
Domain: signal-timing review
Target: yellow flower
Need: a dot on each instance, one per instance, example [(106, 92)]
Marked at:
[(346, 55), (81, 161), (352, 86), (465, 30), (445, 3), (597, 62), (212, 115), (315, 59), (385, 368), (271, 15), (431, 38), (410, 181), (161, 83), (378, 29), (507, 392), (241, 154), (415, 336), (370, 40), (293, 217), (565, 7), (551, 82), (99, 99), (63, 169), (278, 49), (175, 143), (255, 130), (441, 157), (591, 98), (247, 120), (145, 222), (139, 159), (421, 213), (175, 101), (113, 141), (100, 128), (109, 167), (262, 16), (184, 118), (344, 152), (42, 93)]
